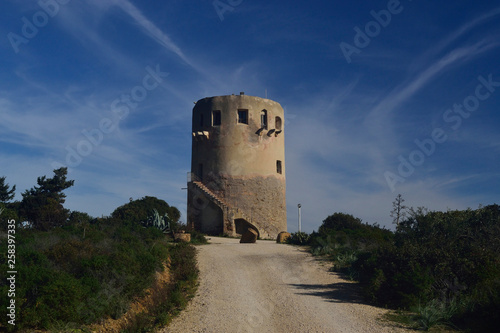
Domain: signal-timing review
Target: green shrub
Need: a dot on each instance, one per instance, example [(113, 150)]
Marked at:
[(70, 279), (137, 211), (447, 261), (340, 221), (197, 238), (183, 262), (170, 299), (298, 238), (438, 313), (161, 223), (343, 232), (7, 212)]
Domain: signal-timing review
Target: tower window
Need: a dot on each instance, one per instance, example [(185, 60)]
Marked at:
[(278, 123), (243, 117), (201, 120), (263, 119), (216, 118), (200, 171), (278, 167)]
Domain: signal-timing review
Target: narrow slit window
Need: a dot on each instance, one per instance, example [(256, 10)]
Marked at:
[(216, 118), (201, 120), (278, 123), (200, 171), (279, 167), (263, 119), (243, 117)]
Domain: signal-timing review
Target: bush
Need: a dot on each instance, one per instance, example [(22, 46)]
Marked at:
[(298, 238), (138, 211), (76, 217), (439, 259), (437, 313), (197, 238), (339, 221), (7, 214), (171, 298), (183, 262), (70, 279), (443, 265)]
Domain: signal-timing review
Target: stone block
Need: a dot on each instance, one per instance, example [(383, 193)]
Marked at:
[(282, 237), (250, 236), (182, 237)]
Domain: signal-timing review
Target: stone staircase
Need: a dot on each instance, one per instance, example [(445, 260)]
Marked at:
[(226, 208), (210, 194)]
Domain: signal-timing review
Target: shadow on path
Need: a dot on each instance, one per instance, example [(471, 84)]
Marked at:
[(340, 292)]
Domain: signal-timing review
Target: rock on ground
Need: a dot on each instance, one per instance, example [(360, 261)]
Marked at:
[(250, 236), (282, 237)]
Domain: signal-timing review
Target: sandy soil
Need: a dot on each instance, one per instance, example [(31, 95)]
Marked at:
[(269, 287)]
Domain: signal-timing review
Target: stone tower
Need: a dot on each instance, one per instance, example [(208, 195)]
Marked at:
[(237, 178)]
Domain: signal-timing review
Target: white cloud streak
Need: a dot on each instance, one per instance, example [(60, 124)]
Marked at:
[(407, 89)]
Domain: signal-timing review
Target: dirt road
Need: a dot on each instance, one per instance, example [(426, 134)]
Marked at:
[(269, 287)]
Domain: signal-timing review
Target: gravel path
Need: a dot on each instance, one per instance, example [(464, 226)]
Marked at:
[(269, 287)]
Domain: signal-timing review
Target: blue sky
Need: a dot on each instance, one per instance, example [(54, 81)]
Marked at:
[(381, 97)]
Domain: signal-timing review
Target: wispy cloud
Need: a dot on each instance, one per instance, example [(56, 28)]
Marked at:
[(450, 182), (152, 30), (430, 65), (344, 131), (409, 87), (459, 32)]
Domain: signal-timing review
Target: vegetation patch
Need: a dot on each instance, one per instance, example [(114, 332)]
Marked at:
[(170, 298), (75, 270), (442, 268)]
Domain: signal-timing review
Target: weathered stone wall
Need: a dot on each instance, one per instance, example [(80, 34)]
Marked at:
[(261, 200), (242, 163), (234, 148)]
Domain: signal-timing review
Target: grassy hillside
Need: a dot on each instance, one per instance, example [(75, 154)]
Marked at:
[(92, 269)]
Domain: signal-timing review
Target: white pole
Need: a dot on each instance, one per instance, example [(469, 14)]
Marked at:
[(300, 222)]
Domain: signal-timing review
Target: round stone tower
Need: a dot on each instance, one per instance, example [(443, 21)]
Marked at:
[(237, 178)]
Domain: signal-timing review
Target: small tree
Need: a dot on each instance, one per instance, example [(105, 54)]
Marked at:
[(42, 205), (5, 194), (80, 219), (77, 217), (137, 211), (8, 211), (339, 221), (398, 212)]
